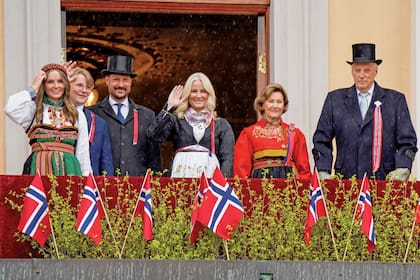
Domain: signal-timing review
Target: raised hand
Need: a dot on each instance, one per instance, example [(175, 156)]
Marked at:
[(175, 97), (38, 79), (71, 67)]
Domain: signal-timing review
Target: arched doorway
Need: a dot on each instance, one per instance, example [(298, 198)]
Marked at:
[(169, 41)]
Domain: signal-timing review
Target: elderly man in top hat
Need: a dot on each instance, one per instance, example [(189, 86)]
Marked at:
[(371, 126), (132, 151)]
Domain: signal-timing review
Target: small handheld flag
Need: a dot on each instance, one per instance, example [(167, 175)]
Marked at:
[(90, 212), (364, 205), (35, 220), (220, 210), (316, 207), (196, 227), (144, 207)]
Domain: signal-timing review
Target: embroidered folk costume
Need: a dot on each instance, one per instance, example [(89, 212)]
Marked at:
[(264, 150), (58, 146)]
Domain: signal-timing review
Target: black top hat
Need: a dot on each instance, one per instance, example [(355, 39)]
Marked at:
[(364, 53), (119, 64)]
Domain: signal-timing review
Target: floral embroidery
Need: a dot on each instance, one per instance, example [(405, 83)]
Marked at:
[(56, 112), (56, 117), (272, 132)]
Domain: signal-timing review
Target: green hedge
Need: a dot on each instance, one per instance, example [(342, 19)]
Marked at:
[(272, 228)]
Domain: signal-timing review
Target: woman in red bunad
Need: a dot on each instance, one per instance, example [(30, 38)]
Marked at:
[(271, 148)]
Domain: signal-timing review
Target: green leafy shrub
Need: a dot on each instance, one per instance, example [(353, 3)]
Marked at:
[(271, 229)]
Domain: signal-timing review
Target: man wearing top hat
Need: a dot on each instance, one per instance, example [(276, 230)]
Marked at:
[(132, 152), (371, 126)]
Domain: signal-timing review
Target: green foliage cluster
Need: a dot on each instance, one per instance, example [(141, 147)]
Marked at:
[(271, 229)]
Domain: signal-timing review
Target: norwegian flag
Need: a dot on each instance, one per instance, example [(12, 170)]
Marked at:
[(90, 212), (144, 207), (35, 220), (418, 212), (196, 227), (220, 209), (364, 207), (316, 206)]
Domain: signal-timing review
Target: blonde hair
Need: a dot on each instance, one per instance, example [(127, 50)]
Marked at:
[(89, 80), (70, 112), (211, 101), (265, 95)]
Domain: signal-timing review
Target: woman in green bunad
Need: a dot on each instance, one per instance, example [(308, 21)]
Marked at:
[(57, 132)]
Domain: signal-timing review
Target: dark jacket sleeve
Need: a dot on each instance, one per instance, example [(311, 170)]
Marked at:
[(106, 153), (406, 139), (153, 150), (161, 129), (322, 139), (224, 151)]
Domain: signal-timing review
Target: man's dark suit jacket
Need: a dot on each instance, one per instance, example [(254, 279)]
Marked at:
[(127, 156), (341, 118)]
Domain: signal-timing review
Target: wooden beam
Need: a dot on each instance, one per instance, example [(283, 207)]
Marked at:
[(232, 7)]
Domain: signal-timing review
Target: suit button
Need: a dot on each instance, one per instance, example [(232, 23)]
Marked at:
[(123, 162)]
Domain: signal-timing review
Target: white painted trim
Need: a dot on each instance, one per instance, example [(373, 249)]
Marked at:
[(299, 59), (416, 80), (32, 32)]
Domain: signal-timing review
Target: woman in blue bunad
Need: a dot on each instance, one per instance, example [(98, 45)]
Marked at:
[(271, 148), (201, 140), (57, 132)]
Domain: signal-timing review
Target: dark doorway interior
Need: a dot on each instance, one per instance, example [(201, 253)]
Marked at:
[(167, 48)]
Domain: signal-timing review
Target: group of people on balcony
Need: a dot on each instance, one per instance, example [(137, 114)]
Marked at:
[(371, 127)]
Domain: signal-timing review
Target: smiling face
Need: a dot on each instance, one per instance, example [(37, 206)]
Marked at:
[(79, 90), (54, 85), (119, 86), (198, 96), (364, 74), (274, 106)]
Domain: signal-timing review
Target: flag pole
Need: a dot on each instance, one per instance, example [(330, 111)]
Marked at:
[(226, 249), (54, 240), (51, 226), (132, 216), (411, 233), (106, 215), (328, 219), (352, 220), (409, 239)]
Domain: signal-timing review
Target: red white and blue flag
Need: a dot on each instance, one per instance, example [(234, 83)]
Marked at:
[(35, 220), (144, 207), (90, 212), (316, 206), (418, 212), (197, 227), (220, 210), (364, 207)]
